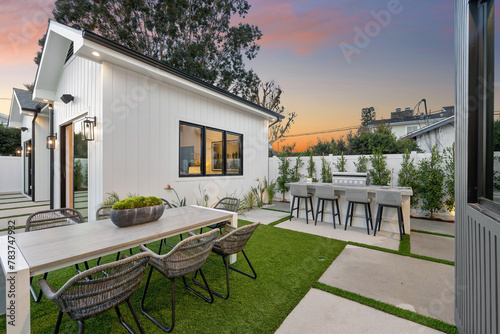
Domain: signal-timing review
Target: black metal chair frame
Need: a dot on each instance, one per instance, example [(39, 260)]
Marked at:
[(34, 223), (228, 204), (225, 259), (293, 208), (87, 278), (210, 236), (334, 201), (378, 219), (368, 214)]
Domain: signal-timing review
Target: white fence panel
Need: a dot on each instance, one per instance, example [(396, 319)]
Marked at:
[(11, 169)]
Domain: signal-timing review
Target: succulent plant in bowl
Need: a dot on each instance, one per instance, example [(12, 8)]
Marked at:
[(136, 210)]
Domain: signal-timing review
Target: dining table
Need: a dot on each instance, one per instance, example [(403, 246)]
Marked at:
[(24, 255)]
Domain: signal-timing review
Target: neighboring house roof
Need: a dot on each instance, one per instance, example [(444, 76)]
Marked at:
[(22, 104), (25, 98), (430, 127), (447, 112), (84, 42)]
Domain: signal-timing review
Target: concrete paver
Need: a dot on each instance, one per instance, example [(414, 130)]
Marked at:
[(421, 286), (321, 312), (433, 226), (433, 246), (382, 239), (263, 216)]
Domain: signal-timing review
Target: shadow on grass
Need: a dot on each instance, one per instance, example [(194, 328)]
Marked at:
[(287, 263)]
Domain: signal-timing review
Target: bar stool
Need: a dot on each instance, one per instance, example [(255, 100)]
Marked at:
[(299, 191), (327, 193), (390, 199), (358, 196)]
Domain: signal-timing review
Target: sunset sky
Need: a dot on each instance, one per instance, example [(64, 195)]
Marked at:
[(331, 58)]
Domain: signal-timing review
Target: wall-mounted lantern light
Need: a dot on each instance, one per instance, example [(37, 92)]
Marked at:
[(88, 125), (51, 141), (67, 98), (19, 150)]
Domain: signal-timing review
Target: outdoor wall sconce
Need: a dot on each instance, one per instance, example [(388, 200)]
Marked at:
[(19, 151), (67, 98), (88, 125), (51, 141), (23, 128)]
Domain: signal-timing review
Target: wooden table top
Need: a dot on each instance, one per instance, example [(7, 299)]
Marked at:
[(55, 248)]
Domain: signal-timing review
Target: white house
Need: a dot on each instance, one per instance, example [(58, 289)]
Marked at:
[(4, 119), (441, 133), (403, 122), (32, 118), (153, 126)]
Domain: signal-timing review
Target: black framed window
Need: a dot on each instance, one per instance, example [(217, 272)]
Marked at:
[(205, 151), (484, 123)]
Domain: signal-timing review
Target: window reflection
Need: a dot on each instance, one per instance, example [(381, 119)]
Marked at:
[(233, 162), (214, 152), (190, 150)]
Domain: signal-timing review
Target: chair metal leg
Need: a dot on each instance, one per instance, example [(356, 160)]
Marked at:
[(209, 299), (149, 316), (317, 211), (291, 208), (312, 208), (352, 213), (134, 314), (81, 327), (347, 215), (322, 210), (370, 214), (381, 217), (58, 323), (36, 298), (400, 224), (338, 211), (402, 220), (367, 219), (307, 213)]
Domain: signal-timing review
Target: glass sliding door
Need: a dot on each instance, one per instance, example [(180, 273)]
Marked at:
[(80, 170), (27, 167)]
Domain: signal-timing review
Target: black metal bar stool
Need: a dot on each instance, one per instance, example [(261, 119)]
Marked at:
[(299, 191), (389, 199), (358, 196), (326, 194)]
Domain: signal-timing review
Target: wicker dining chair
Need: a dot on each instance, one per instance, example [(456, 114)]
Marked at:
[(232, 241), (228, 204), (104, 212), (99, 289), (186, 257), (46, 219)]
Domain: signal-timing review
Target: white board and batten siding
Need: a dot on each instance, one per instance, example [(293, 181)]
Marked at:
[(81, 78), (141, 138)]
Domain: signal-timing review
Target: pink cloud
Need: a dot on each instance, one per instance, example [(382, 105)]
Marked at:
[(303, 32), (23, 24)]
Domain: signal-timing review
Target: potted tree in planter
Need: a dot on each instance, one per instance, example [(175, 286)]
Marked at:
[(136, 210)]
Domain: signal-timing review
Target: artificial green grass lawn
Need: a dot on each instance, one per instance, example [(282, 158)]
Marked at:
[(287, 263)]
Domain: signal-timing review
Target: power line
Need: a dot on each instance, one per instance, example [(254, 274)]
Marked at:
[(323, 131)]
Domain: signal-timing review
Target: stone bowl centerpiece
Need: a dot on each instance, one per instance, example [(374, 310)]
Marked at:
[(136, 210)]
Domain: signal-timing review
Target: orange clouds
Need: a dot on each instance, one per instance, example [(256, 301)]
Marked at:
[(23, 23), (303, 32)]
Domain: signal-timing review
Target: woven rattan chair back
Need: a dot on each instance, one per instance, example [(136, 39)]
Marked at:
[(101, 288), (53, 218), (234, 240), (228, 204), (186, 257), (104, 212)]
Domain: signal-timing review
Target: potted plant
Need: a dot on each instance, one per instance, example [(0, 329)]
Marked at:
[(136, 210)]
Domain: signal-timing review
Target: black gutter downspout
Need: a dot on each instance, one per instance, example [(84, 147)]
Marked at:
[(51, 156), (33, 143)]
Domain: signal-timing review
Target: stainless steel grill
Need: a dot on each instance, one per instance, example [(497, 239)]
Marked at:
[(350, 179)]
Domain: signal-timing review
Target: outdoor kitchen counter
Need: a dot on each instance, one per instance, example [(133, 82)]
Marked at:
[(390, 220)]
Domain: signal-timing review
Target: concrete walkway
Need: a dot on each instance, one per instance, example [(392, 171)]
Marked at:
[(433, 226), (433, 246), (321, 312), (263, 216), (420, 286)]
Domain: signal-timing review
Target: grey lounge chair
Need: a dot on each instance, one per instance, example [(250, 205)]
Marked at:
[(187, 257), (232, 241), (46, 219), (99, 289)]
